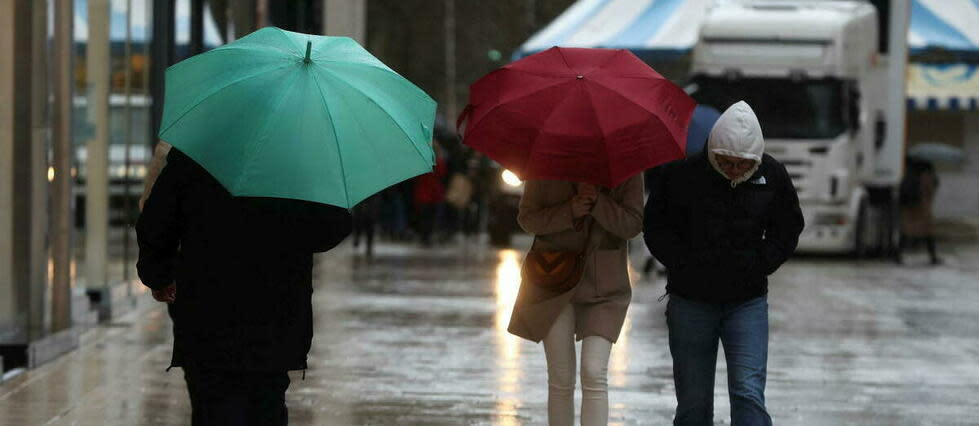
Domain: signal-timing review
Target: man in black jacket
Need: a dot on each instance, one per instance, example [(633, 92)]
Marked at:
[(243, 266), (721, 222)]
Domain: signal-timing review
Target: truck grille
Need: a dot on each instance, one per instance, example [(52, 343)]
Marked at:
[(799, 171)]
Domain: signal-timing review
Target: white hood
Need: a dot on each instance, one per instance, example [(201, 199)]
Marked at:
[(737, 133)]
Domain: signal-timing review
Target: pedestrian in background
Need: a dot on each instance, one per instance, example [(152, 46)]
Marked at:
[(243, 266), (482, 178), (917, 197), (457, 183), (394, 210), (429, 196), (579, 216), (721, 222), (364, 218)]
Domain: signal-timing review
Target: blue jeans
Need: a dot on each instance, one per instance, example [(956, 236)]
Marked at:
[(695, 328)]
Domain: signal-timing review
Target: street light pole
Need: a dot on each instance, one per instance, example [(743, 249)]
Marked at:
[(889, 167), (346, 18), (196, 27), (451, 108), (61, 229), (36, 177), (897, 89), (162, 55), (97, 152), (128, 175)]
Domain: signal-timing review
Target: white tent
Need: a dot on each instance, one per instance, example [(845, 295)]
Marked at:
[(666, 29)]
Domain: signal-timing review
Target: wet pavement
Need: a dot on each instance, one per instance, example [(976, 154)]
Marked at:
[(417, 337)]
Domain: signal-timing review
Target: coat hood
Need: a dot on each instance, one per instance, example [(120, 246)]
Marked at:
[(737, 133)]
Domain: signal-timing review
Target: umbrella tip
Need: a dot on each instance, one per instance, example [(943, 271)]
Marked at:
[(309, 47)]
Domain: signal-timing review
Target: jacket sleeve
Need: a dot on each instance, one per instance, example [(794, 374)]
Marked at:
[(623, 219), (539, 219), (661, 224), (158, 227), (783, 229)]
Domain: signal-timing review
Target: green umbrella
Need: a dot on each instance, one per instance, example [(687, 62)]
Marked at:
[(290, 115)]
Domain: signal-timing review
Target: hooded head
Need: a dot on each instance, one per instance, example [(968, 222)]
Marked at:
[(736, 137)]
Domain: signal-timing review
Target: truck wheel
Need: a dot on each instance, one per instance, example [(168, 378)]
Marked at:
[(861, 245)]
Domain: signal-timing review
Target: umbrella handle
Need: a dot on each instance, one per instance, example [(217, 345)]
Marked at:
[(462, 117), (309, 47)]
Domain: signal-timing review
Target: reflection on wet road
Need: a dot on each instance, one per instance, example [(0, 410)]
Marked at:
[(418, 337)]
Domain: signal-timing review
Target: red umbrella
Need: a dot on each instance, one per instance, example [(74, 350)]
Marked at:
[(586, 115)]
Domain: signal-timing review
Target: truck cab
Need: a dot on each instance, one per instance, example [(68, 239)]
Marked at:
[(812, 73)]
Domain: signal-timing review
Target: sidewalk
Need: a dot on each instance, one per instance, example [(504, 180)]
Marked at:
[(417, 337)]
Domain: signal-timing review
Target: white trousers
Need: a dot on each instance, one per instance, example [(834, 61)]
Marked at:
[(561, 366)]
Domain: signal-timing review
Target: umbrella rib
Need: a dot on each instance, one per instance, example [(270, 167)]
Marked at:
[(381, 67), (206, 97), (537, 74), (610, 58), (616, 93), (565, 60), (608, 167), (289, 40), (387, 183), (533, 146), (250, 47), (396, 123), (526, 95), (261, 148), (336, 139)]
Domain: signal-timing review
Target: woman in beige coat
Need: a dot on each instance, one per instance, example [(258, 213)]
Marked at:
[(560, 214)]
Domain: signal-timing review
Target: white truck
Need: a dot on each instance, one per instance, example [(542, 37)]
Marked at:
[(814, 74)]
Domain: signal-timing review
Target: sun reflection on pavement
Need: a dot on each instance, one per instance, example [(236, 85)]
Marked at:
[(508, 345)]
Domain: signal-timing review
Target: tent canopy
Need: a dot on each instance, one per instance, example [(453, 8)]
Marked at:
[(661, 30), (651, 29), (948, 25), (670, 27)]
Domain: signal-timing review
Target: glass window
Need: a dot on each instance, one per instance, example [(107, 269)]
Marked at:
[(787, 109)]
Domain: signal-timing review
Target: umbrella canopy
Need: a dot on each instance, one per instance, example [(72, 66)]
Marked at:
[(290, 115), (587, 115), (701, 123), (937, 153)]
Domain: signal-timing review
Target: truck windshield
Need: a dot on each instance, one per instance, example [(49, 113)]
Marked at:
[(806, 109)]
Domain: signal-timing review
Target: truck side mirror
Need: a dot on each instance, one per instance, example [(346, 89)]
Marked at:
[(880, 131)]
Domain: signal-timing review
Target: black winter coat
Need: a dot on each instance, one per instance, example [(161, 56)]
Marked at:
[(719, 243), (242, 267)]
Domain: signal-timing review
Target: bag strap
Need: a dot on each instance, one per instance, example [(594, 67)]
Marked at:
[(584, 248)]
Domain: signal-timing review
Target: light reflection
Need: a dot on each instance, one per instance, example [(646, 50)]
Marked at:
[(619, 362), (506, 410), (507, 286), (72, 272)]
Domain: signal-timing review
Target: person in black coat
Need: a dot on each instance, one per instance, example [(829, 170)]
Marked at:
[(236, 273), (721, 221)]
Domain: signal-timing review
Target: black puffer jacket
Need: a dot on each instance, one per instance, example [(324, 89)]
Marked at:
[(720, 242), (243, 268)]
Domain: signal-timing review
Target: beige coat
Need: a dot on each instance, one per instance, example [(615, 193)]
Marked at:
[(602, 297)]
